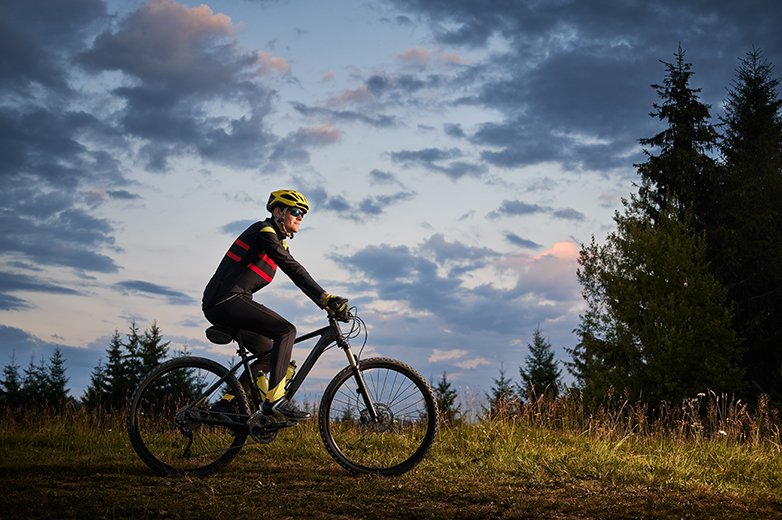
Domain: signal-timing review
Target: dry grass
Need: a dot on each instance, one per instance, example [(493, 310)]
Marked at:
[(551, 459)]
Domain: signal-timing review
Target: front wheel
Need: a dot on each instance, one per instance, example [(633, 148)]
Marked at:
[(405, 426), (171, 425)]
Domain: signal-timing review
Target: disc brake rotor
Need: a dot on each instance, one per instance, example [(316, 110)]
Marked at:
[(385, 419)]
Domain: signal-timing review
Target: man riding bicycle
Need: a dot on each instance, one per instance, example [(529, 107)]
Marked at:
[(248, 266)]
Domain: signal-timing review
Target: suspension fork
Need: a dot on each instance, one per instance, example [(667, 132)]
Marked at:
[(359, 377)]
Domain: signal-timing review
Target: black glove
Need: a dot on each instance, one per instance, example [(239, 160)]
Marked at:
[(337, 305)]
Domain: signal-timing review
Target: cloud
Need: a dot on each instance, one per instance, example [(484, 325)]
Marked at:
[(432, 277), (518, 207), (39, 223), (562, 72), (387, 89), (180, 61), (550, 275), (268, 64), (143, 288), (293, 148), (416, 56), (235, 228), (459, 358), (12, 303), (515, 239), (438, 160), (10, 282), (422, 58), (367, 206), (382, 177), (568, 214), (453, 306), (36, 38), (446, 355), (473, 363), (377, 121), (376, 205)]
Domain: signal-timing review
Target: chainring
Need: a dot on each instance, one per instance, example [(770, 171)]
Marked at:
[(263, 428)]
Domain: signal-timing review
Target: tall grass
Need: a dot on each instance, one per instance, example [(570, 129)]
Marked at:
[(706, 416), (707, 443)]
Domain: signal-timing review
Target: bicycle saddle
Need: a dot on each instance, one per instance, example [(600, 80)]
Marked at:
[(220, 335)]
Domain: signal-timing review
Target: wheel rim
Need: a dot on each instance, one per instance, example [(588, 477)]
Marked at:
[(404, 421), (178, 435)]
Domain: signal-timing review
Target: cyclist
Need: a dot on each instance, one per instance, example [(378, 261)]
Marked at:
[(248, 266)]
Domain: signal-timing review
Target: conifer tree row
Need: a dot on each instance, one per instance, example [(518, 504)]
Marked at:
[(41, 385), (112, 382)]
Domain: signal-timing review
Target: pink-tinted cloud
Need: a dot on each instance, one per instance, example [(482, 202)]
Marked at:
[(550, 274), (321, 135), (269, 64), (420, 57), (361, 94), (416, 56), (163, 41)]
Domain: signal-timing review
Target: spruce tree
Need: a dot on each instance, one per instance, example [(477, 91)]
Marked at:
[(539, 375), (11, 392), (683, 172), (502, 397), (152, 349), (56, 391), (446, 400), (746, 238), (97, 392), (35, 384), (118, 385), (133, 358)]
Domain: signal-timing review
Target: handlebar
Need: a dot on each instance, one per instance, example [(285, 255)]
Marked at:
[(345, 318)]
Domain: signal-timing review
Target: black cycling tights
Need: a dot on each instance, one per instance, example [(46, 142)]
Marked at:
[(264, 332)]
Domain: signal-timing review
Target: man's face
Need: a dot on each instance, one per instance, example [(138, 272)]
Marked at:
[(291, 219)]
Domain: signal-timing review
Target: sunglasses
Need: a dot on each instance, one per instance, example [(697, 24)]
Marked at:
[(296, 212)]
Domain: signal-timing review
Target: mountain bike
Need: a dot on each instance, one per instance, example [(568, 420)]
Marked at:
[(376, 416)]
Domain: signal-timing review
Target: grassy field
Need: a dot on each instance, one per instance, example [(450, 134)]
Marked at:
[(539, 464)]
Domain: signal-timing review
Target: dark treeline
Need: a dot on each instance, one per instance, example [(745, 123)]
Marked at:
[(111, 383), (41, 384), (127, 362)]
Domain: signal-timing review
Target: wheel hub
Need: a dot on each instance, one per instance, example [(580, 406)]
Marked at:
[(385, 419)]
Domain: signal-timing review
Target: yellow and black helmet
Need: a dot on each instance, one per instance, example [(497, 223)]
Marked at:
[(287, 198)]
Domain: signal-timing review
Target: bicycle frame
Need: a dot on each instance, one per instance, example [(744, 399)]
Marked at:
[(328, 335)]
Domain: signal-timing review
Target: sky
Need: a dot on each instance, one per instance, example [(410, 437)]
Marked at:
[(456, 155)]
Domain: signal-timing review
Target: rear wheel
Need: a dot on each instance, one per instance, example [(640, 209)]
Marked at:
[(405, 427), (170, 423)]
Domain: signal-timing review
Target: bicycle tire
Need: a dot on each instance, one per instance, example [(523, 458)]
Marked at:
[(168, 430), (408, 418)]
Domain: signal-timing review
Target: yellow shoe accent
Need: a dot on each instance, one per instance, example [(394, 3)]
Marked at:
[(276, 393)]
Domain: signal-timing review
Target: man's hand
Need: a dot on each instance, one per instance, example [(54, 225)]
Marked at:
[(337, 305)]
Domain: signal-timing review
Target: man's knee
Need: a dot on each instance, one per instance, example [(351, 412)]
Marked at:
[(289, 330)]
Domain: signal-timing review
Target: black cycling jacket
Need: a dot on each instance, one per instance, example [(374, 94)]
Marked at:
[(251, 262)]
